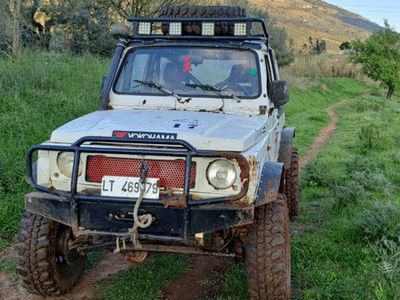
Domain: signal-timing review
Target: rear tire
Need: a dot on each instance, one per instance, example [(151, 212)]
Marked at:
[(46, 264), (268, 252), (292, 185), (194, 28)]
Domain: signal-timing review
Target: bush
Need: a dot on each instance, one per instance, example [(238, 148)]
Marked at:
[(363, 105), (319, 173), (380, 222), (373, 138)]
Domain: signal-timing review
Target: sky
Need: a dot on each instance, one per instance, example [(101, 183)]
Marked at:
[(374, 10)]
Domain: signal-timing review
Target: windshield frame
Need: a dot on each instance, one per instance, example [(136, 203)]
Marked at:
[(213, 96)]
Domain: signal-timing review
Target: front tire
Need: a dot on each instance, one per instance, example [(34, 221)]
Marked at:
[(292, 185), (268, 252), (48, 264)]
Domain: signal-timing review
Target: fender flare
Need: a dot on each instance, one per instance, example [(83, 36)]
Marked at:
[(271, 183), (285, 148)]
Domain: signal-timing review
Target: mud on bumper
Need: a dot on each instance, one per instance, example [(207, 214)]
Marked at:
[(107, 218)]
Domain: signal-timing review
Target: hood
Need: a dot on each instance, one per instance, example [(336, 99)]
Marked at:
[(204, 130)]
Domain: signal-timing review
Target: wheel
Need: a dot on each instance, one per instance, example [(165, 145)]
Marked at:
[(194, 28), (292, 185), (267, 252), (49, 263)]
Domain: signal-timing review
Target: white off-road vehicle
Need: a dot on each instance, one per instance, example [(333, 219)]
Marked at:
[(188, 153)]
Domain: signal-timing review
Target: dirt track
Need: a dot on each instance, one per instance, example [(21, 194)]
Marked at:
[(323, 137), (189, 285)]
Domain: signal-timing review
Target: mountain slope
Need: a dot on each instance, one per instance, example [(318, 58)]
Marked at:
[(317, 19)]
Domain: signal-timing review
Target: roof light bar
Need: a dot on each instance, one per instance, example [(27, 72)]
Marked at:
[(207, 28), (177, 28)]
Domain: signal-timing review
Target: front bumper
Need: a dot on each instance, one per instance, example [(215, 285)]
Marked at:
[(175, 218), (107, 218)]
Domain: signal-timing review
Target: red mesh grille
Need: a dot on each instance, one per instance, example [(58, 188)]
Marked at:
[(170, 172)]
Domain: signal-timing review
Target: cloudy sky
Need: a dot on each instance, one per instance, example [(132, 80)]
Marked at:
[(374, 10)]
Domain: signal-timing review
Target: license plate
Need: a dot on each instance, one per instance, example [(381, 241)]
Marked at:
[(117, 186)]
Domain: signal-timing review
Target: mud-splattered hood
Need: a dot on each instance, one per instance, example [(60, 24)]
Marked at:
[(204, 130)]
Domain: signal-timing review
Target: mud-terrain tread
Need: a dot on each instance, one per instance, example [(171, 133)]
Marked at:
[(292, 185), (194, 28), (36, 264), (268, 252)]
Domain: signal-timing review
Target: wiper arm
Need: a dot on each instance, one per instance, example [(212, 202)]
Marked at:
[(211, 88), (162, 89)]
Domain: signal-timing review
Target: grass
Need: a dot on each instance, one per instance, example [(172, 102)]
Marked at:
[(38, 93), (144, 281), (351, 195), (348, 246), (348, 243)]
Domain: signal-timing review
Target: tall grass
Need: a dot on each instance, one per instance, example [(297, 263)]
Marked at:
[(324, 65), (38, 92)]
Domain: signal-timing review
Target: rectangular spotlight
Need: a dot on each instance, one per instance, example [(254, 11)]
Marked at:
[(240, 29), (175, 28), (207, 28), (144, 28)]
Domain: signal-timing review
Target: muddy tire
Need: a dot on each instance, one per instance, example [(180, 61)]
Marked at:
[(46, 266), (194, 28), (267, 250), (292, 185)]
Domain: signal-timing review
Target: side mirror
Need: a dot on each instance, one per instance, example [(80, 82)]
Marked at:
[(120, 31), (278, 92)]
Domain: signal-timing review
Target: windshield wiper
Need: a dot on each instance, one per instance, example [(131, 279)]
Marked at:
[(211, 88), (162, 89)]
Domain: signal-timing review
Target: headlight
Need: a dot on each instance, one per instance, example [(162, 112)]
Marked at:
[(65, 162), (221, 174)]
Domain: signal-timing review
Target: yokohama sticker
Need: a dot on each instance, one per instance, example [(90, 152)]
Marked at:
[(144, 135)]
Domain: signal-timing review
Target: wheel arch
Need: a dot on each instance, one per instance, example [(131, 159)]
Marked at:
[(286, 144), (271, 183)]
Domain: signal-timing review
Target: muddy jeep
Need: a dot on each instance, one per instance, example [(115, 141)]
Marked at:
[(188, 153)]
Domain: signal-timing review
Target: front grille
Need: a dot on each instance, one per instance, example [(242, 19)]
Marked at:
[(170, 172)]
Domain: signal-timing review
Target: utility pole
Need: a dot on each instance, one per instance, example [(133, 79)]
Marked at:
[(16, 5)]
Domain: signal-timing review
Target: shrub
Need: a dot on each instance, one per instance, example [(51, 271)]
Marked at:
[(363, 105), (380, 222), (373, 137)]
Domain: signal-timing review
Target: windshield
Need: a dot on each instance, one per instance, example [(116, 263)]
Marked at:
[(186, 72)]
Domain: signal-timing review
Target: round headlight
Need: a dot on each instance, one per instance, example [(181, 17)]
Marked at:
[(221, 174), (65, 162)]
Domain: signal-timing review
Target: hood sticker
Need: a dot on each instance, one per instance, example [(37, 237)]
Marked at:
[(144, 135), (185, 124)]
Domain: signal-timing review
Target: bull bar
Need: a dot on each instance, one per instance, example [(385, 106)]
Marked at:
[(79, 210)]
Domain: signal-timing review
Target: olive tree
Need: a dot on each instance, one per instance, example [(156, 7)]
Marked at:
[(379, 56)]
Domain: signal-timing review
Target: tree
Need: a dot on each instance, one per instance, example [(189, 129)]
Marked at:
[(317, 47), (16, 25), (278, 38), (379, 56), (141, 8), (345, 46), (5, 28)]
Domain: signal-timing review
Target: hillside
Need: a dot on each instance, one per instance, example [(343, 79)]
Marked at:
[(317, 19)]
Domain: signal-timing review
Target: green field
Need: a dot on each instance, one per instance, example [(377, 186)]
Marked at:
[(346, 244)]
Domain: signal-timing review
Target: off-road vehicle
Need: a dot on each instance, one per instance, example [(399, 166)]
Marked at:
[(187, 153)]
